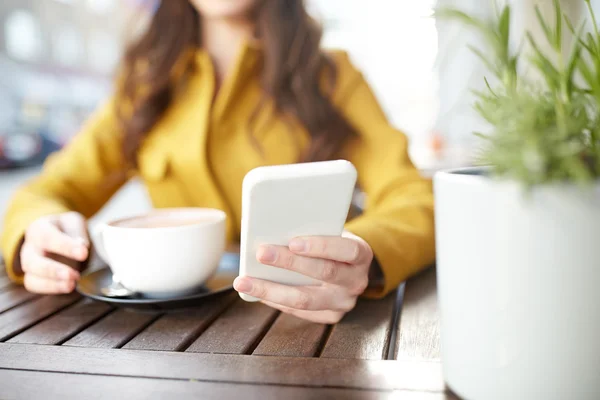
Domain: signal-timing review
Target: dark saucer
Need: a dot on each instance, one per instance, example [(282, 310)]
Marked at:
[(90, 285)]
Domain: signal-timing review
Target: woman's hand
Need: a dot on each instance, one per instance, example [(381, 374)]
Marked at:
[(341, 264), (54, 248)]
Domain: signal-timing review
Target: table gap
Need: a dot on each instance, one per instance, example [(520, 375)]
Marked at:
[(25, 297), (297, 371), (114, 330), (141, 329), (324, 340), (83, 327), (262, 334), (117, 387), (418, 335), (363, 332), (176, 331), (69, 300), (390, 353), (291, 336), (64, 324), (242, 324), (192, 338), (224, 381)]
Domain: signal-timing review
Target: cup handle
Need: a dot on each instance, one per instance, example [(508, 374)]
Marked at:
[(98, 240)]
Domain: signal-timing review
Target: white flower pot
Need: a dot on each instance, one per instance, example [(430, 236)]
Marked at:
[(519, 288)]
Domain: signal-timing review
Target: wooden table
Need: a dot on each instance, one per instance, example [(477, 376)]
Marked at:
[(69, 347)]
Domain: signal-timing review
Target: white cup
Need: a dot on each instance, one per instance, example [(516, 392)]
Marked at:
[(166, 252)]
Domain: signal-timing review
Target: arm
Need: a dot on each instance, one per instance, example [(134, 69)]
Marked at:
[(81, 178), (397, 227), (398, 222)]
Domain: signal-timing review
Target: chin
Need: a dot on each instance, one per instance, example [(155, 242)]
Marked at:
[(219, 9)]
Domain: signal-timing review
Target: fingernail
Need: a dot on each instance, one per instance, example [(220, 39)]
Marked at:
[(84, 242), (79, 252), (267, 254), (68, 286), (243, 285), (298, 245)]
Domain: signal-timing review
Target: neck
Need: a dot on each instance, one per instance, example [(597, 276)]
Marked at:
[(222, 40)]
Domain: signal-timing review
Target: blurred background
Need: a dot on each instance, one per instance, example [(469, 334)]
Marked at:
[(57, 58), (56, 61)]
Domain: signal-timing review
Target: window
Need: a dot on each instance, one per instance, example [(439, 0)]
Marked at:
[(394, 43), (102, 6), (103, 51), (23, 36), (68, 47)]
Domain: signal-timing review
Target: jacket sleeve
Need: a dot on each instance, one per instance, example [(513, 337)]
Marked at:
[(81, 177), (398, 221)]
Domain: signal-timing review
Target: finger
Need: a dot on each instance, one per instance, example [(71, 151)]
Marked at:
[(74, 225), (298, 297), (325, 270), (48, 237), (319, 317), (44, 267), (335, 248), (69, 262), (38, 284)]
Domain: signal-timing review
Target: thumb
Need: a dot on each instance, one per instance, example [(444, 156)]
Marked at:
[(74, 225)]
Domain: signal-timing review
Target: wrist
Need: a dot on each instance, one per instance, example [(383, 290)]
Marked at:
[(376, 278), (16, 264)]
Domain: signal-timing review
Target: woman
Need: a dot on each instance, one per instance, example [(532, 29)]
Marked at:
[(213, 89)]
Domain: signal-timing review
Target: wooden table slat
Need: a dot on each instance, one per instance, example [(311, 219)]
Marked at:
[(22, 317), (5, 283), (233, 349), (74, 386), (418, 334), (412, 395), (297, 371), (64, 324), (364, 332), (175, 331), (114, 330), (237, 331), (4, 279), (14, 296), (292, 337)]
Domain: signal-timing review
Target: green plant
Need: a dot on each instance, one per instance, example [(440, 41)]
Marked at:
[(541, 132)]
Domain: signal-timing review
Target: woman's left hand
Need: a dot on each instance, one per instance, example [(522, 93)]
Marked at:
[(340, 264)]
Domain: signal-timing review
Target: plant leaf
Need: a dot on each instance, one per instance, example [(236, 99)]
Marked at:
[(544, 65), (504, 26), (592, 46), (484, 27), (570, 25), (547, 31), (487, 83), (574, 58), (586, 72), (588, 3), (483, 58), (547, 131), (558, 25), (453, 13), (577, 169)]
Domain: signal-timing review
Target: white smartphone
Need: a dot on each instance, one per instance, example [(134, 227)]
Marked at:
[(282, 202)]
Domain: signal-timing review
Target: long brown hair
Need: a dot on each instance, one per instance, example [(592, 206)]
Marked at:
[(292, 72)]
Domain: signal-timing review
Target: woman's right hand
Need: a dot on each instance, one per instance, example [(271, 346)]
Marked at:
[(53, 251)]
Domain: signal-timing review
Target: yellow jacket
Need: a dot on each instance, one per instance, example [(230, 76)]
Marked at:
[(197, 155)]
